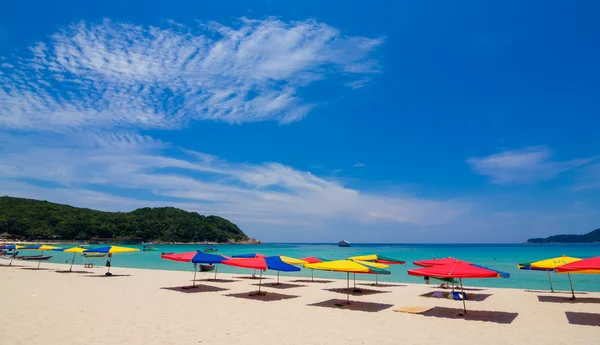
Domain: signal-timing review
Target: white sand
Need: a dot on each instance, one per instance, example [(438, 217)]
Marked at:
[(45, 307)]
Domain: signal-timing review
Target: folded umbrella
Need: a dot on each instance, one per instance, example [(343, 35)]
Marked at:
[(262, 264), (548, 265)]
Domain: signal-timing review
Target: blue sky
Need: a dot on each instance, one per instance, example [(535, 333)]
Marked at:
[(392, 121)]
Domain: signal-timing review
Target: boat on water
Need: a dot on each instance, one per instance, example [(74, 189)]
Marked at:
[(344, 243), (34, 257), (94, 255), (210, 249), (206, 268), (148, 248), (167, 253)]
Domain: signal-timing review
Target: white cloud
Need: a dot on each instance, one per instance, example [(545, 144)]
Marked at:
[(268, 192), (523, 166), (115, 74), (357, 84), (359, 165)]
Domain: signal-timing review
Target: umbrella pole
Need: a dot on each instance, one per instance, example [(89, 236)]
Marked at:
[(354, 275), (463, 295), (348, 287), (550, 278), (40, 260), (195, 270), (110, 264), (259, 282), (571, 283), (72, 261), (376, 279), (312, 278), (277, 277), (216, 270)]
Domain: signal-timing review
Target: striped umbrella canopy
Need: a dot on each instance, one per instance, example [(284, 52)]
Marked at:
[(349, 266), (42, 248), (262, 264), (380, 259), (458, 270), (548, 265), (110, 250), (197, 258), (584, 266)]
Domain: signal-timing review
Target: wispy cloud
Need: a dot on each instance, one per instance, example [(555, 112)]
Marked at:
[(523, 166), (115, 74), (359, 165)]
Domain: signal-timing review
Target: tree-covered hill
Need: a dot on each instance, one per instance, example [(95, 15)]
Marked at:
[(35, 219), (590, 237)]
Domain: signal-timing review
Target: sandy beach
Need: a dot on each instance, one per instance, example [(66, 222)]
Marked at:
[(148, 307)]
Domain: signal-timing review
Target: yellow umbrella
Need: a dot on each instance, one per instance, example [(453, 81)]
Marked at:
[(14, 247), (548, 265), (292, 261), (43, 248), (349, 266), (111, 250), (74, 250)]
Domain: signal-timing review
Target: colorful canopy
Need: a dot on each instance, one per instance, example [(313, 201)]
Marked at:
[(436, 262), (195, 257), (43, 248), (585, 266), (548, 264), (378, 258), (13, 247), (263, 263), (248, 256), (292, 261), (313, 259), (73, 250), (457, 270), (349, 266), (111, 250)]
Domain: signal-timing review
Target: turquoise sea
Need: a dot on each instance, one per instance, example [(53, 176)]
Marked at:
[(503, 257)]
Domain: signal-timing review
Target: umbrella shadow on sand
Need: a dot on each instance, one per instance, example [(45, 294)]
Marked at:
[(382, 285), (472, 315), (35, 269), (212, 280), (263, 296), (80, 272), (312, 281), (585, 319), (556, 292), (357, 292), (107, 276), (195, 289), (559, 299), (473, 297), (281, 285), (252, 277), (353, 305)]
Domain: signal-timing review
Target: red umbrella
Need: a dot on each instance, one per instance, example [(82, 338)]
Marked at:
[(313, 260), (458, 270), (196, 258), (437, 262), (585, 266), (263, 263)]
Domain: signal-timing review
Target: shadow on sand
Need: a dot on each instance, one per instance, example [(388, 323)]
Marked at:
[(110, 276), (472, 315), (356, 306), (560, 299), (584, 319), (357, 292), (473, 297), (312, 281), (211, 280), (35, 269), (281, 285), (263, 296), (382, 285), (80, 272), (194, 289), (251, 277)]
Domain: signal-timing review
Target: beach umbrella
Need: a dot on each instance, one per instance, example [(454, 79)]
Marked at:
[(313, 260), (548, 265), (13, 247), (196, 258), (42, 248), (584, 266), (348, 266), (110, 250), (380, 259), (458, 270), (263, 263), (73, 250), (248, 256), (437, 262)]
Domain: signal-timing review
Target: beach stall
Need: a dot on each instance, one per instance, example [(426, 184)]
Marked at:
[(548, 265), (197, 258), (380, 259), (460, 271), (110, 250), (348, 266), (584, 266), (263, 263)]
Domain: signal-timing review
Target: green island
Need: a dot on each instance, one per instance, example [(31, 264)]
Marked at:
[(31, 220), (590, 237)]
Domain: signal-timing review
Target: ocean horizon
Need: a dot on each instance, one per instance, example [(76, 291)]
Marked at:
[(503, 257)]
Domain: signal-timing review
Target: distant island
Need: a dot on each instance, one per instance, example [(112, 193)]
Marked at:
[(590, 237), (27, 219)]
